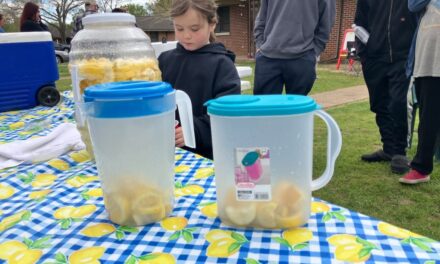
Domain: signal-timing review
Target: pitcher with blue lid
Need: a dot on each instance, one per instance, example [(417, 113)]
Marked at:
[(132, 131), (263, 157)]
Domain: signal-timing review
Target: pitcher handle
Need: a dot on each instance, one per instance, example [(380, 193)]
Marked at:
[(334, 143), (186, 118)]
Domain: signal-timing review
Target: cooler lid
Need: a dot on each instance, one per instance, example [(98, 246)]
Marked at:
[(21, 37), (261, 105), (103, 18), (129, 99)]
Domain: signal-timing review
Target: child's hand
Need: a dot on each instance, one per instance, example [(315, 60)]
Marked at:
[(180, 142)]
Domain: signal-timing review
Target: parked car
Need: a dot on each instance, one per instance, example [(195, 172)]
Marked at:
[(60, 46), (61, 56)]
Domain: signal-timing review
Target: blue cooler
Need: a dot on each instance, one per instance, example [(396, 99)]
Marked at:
[(28, 70)]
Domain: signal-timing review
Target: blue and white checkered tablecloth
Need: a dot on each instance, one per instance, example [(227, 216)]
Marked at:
[(53, 212)]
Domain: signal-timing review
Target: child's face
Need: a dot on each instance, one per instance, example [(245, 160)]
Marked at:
[(192, 30)]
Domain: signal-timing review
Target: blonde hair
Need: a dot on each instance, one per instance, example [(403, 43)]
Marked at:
[(207, 8)]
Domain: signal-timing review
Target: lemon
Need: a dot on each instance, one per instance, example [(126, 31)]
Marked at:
[(16, 125), (80, 180), (266, 215), (394, 231), (177, 157), (319, 207), (64, 212), (9, 248), (174, 223), (95, 192), (10, 221), (98, 230), (290, 221), (341, 239), (241, 214), (220, 248), (204, 173), (189, 190), (159, 258), (217, 234), (59, 164), (297, 235), (350, 253), (118, 208), (181, 168), (286, 193), (210, 210), (44, 179), (148, 208), (86, 255), (80, 156), (6, 191), (28, 256), (39, 194), (83, 211)]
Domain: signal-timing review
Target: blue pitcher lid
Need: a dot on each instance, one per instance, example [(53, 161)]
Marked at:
[(261, 105), (129, 99)]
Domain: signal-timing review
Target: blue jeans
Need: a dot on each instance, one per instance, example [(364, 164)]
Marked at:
[(297, 75)]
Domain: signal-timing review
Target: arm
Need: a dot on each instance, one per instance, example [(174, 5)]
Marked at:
[(417, 5), (322, 32), (361, 19), (260, 23)]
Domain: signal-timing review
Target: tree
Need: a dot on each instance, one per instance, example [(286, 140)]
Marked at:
[(55, 13), (160, 7), (136, 10), (108, 5)]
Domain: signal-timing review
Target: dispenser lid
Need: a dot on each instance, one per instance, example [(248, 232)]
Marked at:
[(103, 18), (261, 105), (130, 99)]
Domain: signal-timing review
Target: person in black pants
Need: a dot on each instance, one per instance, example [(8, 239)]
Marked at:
[(383, 57)]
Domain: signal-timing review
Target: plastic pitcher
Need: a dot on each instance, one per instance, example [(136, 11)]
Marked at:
[(263, 157), (132, 131)]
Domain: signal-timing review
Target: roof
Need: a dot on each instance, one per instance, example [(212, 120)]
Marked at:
[(154, 23)]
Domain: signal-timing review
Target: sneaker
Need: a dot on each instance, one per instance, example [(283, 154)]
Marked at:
[(399, 164), (414, 177), (376, 156)]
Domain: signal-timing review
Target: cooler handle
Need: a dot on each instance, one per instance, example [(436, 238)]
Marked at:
[(186, 118), (334, 143)]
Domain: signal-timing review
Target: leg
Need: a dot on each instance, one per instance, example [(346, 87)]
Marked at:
[(429, 125), (300, 74), (268, 75), (377, 83)]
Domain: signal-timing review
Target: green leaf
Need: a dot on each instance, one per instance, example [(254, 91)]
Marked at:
[(326, 217), (207, 203), (26, 216), (148, 256), (119, 234), (425, 239), (175, 235), (131, 260), (41, 243), (239, 237), (364, 252), (128, 229), (339, 216), (421, 245), (429, 262), (191, 229), (77, 220), (234, 246), (27, 178), (282, 241), (188, 236), (27, 242), (365, 243), (178, 185), (252, 261), (66, 223), (60, 258), (406, 240), (300, 246)]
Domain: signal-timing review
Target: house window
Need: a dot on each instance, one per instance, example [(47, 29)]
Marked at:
[(224, 20)]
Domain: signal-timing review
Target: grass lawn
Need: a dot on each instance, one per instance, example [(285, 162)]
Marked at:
[(369, 188)]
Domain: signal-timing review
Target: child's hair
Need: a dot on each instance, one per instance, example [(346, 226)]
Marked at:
[(207, 8)]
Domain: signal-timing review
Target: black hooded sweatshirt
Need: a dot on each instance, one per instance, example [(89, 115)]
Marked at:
[(203, 74)]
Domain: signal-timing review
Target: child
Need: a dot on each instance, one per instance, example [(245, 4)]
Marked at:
[(198, 66)]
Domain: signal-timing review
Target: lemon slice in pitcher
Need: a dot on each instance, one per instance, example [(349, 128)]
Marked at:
[(241, 214), (285, 217), (148, 208), (266, 215), (118, 207)]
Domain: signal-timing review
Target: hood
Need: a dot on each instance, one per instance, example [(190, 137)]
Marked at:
[(213, 48)]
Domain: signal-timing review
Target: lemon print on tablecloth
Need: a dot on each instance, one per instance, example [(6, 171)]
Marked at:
[(39, 196), (204, 173), (320, 207), (59, 164), (80, 156), (68, 214), (187, 190), (80, 180), (224, 243), (152, 258), (178, 224), (178, 157), (252, 261), (351, 248), (14, 219), (6, 191), (407, 236), (25, 252), (295, 238), (38, 180), (16, 125), (104, 229), (181, 168), (45, 112), (209, 209), (89, 193)]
